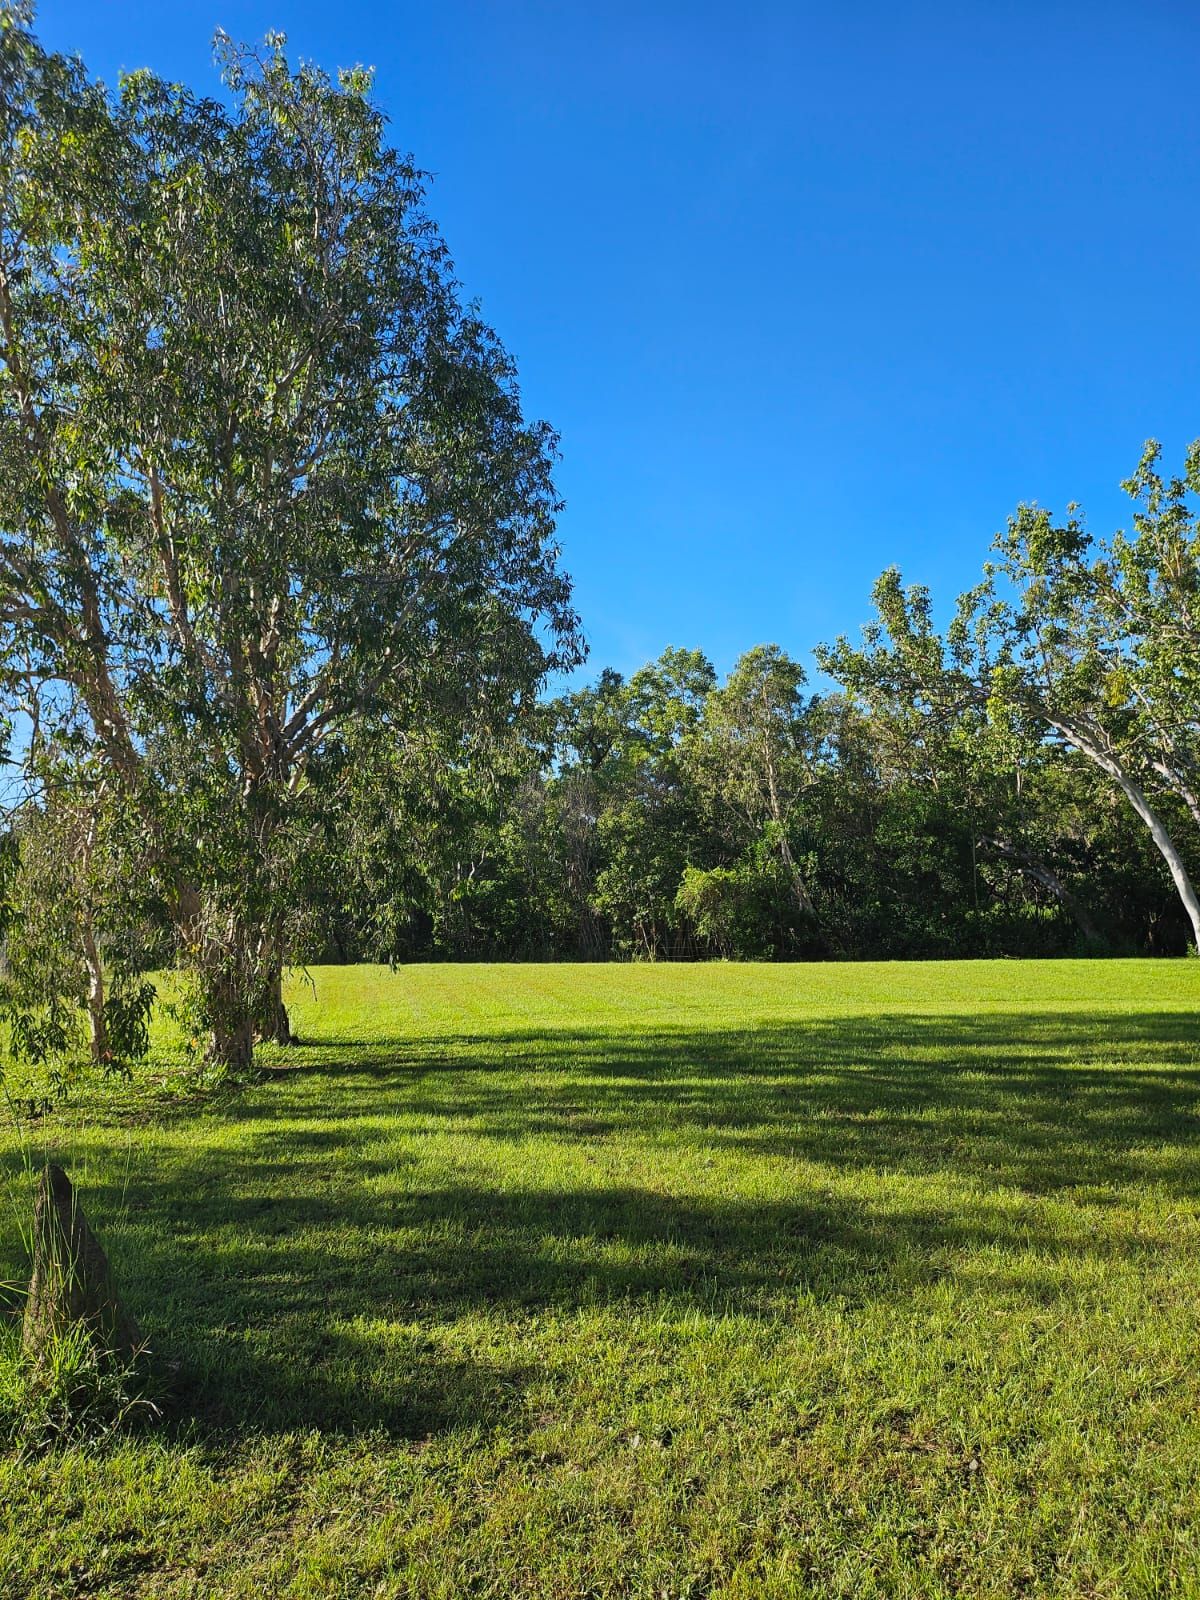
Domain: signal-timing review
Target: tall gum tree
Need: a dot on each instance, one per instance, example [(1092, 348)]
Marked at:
[(264, 479), (1092, 645)]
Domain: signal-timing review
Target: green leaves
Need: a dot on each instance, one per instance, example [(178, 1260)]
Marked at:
[(1094, 646), (265, 480)]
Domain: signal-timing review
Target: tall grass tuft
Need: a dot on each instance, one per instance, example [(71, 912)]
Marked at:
[(73, 1393)]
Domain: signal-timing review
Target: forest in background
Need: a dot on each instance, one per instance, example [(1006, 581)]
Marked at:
[(1022, 782), (670, 815), (282, 593)]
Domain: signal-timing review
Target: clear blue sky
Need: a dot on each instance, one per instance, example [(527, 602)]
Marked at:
[(807, 289)]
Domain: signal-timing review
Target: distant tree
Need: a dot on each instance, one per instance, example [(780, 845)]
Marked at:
[(264, 482), (619, 800), (753, 752), (941, 834), (610, 821), (649, 827)]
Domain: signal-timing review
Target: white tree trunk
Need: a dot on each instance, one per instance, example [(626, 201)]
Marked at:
[(1136, 796), (95, 994)]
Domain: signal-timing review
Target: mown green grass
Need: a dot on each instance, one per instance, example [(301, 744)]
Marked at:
[(656, 1281)]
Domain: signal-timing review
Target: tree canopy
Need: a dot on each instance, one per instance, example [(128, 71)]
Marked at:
[(280, 589), (265, 482), (1090, 645)]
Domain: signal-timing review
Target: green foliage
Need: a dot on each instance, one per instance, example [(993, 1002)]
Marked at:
[(266, 485), (1090, 647), (279, 586), (127, 1019), (72, 1395), (673, 816), (731, 908), (76, 935)]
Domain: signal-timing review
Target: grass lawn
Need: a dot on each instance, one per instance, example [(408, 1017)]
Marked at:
[(661, 1281)]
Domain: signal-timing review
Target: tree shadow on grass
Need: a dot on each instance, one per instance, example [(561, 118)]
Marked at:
[(342, 1314), (1034, 1102), (314, 1270), (304, 1369)]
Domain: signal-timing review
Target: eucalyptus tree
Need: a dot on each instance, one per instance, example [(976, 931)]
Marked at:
[(265, 482), (618, 801), (753, 751), (1091, 646), (650, 825)]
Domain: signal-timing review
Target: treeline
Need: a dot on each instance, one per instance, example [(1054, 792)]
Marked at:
[(280, 589), (674, 816), (1023, 782)]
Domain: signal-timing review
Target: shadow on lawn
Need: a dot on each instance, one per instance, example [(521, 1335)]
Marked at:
[(1035, 1102), (310, 1269)]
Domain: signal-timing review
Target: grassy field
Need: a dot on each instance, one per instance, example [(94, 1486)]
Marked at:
[(655, 1281)]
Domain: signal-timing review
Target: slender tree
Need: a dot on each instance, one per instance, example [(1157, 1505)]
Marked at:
[(754, 751)]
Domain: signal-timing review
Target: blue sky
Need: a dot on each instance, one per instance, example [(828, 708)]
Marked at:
[(807, 289)]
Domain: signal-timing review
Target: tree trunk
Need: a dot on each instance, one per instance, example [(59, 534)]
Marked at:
[(95, 995), (1166, 848), (1136, 797), (799, 888), (274, 1026), (72, 1285), (225, 965), (91, 954), (1041, 873), (232, 1045)]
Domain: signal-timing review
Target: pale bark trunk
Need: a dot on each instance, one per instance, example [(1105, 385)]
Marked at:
[(1166, 848), (1136, 797), (95, 994), (799, 887), (1041, 873)]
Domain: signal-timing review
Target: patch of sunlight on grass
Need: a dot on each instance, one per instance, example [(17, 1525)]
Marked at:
[(829, 1280)]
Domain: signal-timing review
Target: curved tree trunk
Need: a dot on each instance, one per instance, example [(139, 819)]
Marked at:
[(1167, 849), (1137, 798), (1036, 869)]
